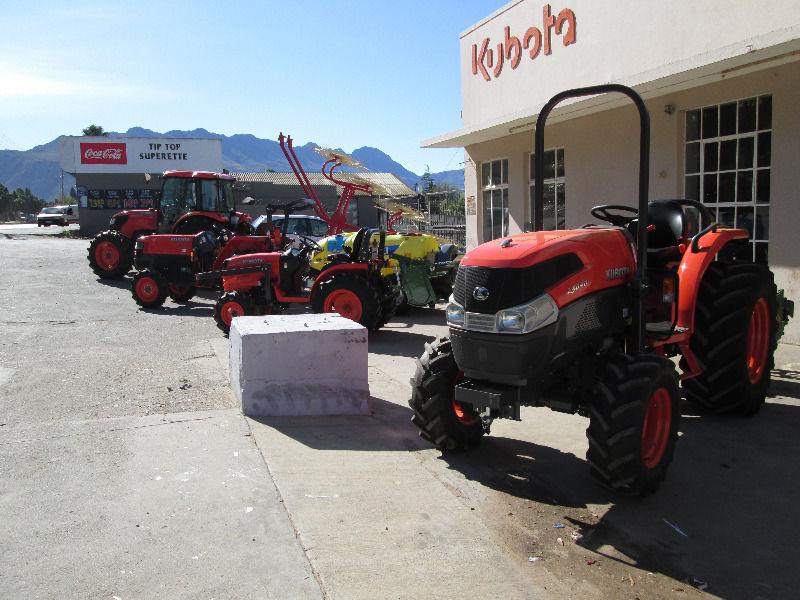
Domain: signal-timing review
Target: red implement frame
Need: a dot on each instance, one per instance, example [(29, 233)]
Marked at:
[(337, 222)]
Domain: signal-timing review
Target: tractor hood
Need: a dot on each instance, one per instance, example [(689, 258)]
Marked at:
[(524, 250)]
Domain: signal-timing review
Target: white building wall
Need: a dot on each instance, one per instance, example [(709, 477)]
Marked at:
[(601, 160)]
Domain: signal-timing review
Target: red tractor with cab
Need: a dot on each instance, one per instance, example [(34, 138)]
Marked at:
[(350, 283), (167, 264), (588, 321), (189, 202)]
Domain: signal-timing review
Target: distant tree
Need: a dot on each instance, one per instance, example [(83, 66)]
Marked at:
[(6, 203), (95, 130), (427, 182)]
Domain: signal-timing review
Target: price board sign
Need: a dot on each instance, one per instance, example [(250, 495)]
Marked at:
[(114, 198), (130, 198), (96, 198), (146, 198)]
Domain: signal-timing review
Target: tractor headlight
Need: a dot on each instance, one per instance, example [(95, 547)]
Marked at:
[(537, 313), (511, 321), (455, 314), (112, 222)]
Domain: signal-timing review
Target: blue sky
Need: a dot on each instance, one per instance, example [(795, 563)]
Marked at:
[(339, 73)]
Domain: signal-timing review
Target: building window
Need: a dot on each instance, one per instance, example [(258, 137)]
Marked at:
[(554, 189), (727, 165), (494, 183)]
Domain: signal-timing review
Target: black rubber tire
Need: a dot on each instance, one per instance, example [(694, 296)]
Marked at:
[(725, 303), (616, 420), (182, 293), (161, 284), (432, 389), (125, 249), (238, 297), (360, 286)]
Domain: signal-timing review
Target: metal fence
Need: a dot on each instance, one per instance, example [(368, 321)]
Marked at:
[(441, 214)]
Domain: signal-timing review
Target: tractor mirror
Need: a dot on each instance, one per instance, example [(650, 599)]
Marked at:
[(147, 177)]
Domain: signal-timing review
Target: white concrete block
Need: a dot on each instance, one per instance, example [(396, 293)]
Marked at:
[(288, 365)]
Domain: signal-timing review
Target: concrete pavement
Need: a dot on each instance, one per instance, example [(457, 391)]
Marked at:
[(98, 399)]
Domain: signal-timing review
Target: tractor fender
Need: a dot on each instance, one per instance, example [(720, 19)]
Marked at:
[(693, 267), (332, 270)]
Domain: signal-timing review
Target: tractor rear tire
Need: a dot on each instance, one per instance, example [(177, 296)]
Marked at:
[(356, 297), (633, 423), (150, 288), (734, 340), (181, 293), (110, 255), (442, 421), (230, 305)]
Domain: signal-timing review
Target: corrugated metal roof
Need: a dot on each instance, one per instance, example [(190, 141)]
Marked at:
[(386, 184)]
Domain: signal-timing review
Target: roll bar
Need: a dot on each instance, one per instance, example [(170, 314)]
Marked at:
[(639, 281)]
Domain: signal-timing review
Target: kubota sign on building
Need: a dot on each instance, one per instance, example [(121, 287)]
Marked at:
[(139, 155)]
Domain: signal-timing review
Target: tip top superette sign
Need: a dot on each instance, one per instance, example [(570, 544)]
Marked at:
[(489, 59), (140, 155)]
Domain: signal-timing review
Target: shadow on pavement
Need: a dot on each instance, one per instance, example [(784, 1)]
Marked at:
[(386, 429), (394, 342), (732, 491)]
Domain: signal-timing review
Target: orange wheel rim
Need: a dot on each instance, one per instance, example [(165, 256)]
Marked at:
[(758, 341), (147, 289), (656, 428), (107, 255), (346, 303), (230, 310)]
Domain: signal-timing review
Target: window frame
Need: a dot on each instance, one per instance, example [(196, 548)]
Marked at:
[(760, 175), (493, 190), (556, 181)]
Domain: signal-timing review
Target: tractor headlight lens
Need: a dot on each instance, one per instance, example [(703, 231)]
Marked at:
[(455, 314), (510, 320)]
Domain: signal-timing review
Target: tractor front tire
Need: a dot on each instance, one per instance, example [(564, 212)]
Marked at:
[(149, 289), (442, 421), (110, 255), (230, 305), (350, 295), (181, 293), (633, 423), (734, 340)]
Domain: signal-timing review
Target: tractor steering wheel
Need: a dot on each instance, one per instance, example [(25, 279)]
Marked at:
[(315, 247), (601, 212), (223, 235)]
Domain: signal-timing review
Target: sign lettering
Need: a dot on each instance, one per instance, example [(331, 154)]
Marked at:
[(488, 60), (103, 153)]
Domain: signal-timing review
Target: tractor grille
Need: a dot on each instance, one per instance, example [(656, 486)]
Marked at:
[(510, 287)]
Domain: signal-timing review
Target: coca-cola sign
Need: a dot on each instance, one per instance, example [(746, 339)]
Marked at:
[(103, 153)]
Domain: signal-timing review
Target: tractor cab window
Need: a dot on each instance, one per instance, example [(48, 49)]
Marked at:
[(208, 194), (226, 203), (173, 199)]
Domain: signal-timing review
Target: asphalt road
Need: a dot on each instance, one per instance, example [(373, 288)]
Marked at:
[(126, 470)]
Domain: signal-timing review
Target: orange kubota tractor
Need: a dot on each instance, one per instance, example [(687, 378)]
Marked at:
[(587, 321), (189, 202)]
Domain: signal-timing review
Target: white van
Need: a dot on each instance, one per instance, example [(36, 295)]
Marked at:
[(57, 215)]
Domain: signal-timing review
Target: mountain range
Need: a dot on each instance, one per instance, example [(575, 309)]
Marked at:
[(38, 168)]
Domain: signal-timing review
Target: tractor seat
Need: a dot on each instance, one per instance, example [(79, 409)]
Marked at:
[(667, 231)]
